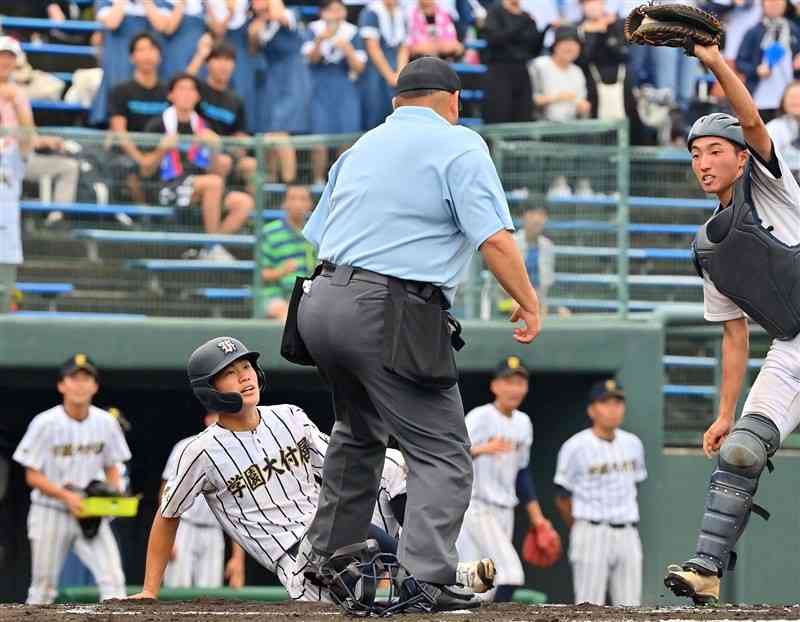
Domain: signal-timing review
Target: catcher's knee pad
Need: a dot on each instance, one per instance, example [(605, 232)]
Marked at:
[(729, 501)]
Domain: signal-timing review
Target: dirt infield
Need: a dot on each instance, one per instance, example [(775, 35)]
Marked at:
[(148, 611)]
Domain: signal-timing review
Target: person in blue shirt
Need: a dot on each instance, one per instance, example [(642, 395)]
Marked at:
[(336, 54), (404, 210), (382, 25), (286, 96)]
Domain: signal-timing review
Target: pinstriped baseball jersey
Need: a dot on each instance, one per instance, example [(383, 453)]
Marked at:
[(68, 451), (495, 475), (259, 484), (393, 483), (73, 452), (602, 475), (199, 513)]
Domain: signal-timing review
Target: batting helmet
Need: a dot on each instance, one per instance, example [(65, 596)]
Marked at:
[(717, 124), (210, 359)]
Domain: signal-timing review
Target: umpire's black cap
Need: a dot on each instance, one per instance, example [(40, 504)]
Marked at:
[(604, 389), (510, 366), (78, 362), (427, 74)]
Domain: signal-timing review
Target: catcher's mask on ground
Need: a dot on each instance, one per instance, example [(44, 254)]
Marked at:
[(211, 358), (355, 573)]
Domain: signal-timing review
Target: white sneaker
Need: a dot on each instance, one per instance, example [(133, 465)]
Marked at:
[(477, 576), (215, 253)]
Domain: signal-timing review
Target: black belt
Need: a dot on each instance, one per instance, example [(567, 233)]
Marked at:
[(426, 291), (614, 525)]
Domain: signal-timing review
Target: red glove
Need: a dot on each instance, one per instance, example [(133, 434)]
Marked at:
[(542, 546)]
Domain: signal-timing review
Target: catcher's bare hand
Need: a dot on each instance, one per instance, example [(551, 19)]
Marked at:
[(716, 434), (763, 71)]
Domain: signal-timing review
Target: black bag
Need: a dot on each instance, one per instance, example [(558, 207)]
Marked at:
[(419, 338), (293, 349)]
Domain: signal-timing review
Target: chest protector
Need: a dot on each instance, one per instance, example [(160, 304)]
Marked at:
[(751, 266)]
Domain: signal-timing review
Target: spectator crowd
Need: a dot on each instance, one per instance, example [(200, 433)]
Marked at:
[(210, 69)]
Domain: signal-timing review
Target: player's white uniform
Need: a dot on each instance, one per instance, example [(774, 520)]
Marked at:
[(199, 542), (488, 525), (604, 549), (261, 485), (774, 392), (70, 452), (393, 484)]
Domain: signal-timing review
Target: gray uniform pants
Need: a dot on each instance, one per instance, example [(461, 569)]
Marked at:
[(342, 327)]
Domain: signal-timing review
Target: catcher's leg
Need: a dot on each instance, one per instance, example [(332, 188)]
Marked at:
[(101, 556), (625, 580), (729, 501), (589, 551)]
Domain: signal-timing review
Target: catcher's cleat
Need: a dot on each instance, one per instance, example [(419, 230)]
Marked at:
[(703, 589), (477, 576)]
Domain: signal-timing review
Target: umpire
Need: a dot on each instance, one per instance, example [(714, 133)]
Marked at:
[(402, 213)]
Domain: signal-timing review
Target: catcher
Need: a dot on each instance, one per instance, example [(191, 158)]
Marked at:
[(501, 437), (746, 254)]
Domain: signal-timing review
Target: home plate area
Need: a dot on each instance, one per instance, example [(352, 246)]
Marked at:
[(231, 611)]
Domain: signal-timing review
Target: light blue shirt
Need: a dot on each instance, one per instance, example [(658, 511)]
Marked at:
[(413, 198)]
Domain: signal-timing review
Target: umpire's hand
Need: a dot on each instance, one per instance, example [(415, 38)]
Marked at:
[(532, 321)]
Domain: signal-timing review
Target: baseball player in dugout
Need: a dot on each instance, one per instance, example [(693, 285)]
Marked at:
[(402, 213), (63, 451), (597, 474), (198, 556), (501, 438), (746, 254), (258, 469)]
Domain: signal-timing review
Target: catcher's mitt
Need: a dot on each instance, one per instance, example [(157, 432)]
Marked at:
[(672, 25), (542, 546)]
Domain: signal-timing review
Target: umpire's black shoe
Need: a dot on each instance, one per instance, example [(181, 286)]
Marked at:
[(437, 597)]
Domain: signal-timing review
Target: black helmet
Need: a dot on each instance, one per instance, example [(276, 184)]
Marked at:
[(210, 359), (717, 124)]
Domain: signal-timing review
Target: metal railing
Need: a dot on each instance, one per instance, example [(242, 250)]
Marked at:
[(620, 221)]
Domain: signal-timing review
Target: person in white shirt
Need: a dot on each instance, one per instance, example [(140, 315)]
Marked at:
[(597, 474), (63, 450), (785, 129), (559, 86), (501, 437)]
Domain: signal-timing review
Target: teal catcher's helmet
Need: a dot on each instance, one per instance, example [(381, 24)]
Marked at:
[(210, 359)]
